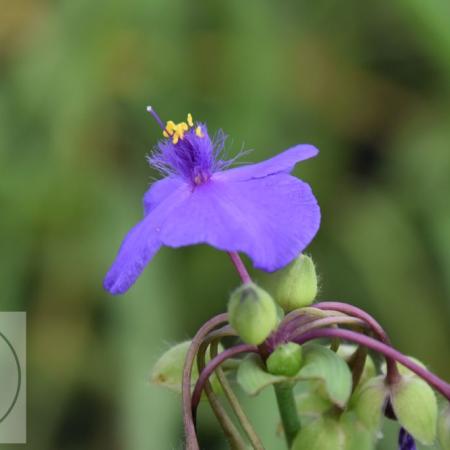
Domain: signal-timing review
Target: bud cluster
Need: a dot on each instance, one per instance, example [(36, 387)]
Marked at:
[(329, 396)]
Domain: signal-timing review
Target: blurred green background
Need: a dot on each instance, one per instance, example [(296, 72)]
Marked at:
[(366, 82)]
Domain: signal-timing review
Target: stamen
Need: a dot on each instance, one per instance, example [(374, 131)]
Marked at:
[(156, 117), (198, 132), (171, 128), (176, 131)]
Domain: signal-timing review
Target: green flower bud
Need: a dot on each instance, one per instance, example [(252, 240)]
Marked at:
[(368, 402), (285, 360), (252, 313), (168, 370), (296, 284), (415, 406), (444, 428)]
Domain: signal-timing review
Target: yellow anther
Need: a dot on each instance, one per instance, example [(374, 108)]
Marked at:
[(183, 126), (171, 127), (198, 132), (176, 131)]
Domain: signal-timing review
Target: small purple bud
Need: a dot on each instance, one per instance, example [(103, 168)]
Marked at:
[(406, 441)]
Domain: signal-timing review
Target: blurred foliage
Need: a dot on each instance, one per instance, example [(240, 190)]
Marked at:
[(367, 82)]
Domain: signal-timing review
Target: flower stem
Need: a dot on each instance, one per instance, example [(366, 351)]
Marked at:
[(392, 370), (231, 432), (188, 418), (389, 352), (327, 321), (211, 367), (240, 267), (284, 393), (356, 363), (234, 403)]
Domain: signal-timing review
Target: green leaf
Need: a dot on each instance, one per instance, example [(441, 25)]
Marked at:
[(415, 406), (252, 376), (168, 370), (368, 402), (324, 365)]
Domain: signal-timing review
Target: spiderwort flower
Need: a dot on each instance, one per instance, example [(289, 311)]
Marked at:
[(257, 209)]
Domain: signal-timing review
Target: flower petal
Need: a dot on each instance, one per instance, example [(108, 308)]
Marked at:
[(282, 163), (271, 219), (159, 191), (141, 244)]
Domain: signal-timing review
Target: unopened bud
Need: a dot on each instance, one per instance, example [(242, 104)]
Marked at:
[(415, 406), (168, 369), (252, 313), (285, 360), (296, 284), (369, 400)]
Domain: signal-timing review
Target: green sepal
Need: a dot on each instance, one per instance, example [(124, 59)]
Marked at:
[(415, 406), (368, 402), (319, 363), (168, 369), (253, 377), (444, 428), (322, 364)]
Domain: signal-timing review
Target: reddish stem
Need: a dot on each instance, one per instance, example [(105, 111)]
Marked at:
[(212, 366), (188, 419), (327, 321), (240, 267), (356, 312), (433, 380), (392, 370)]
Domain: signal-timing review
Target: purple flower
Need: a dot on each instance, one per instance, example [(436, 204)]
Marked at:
[(258, 209), (405, 441)]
